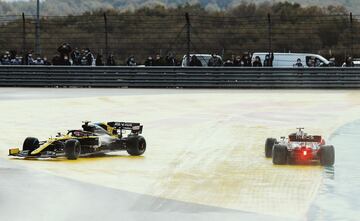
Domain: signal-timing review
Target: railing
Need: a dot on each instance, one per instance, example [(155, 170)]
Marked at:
[(178, 77)]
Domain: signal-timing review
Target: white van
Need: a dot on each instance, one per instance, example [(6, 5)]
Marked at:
[(204, 58), (286, 60)]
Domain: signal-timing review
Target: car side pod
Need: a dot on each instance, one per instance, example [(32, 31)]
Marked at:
[(14, 151)]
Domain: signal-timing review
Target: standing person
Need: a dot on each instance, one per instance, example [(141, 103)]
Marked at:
[(67, 61), (131, 61), (158, 61), (214, 61), (110, 60), (38, 61), (228, 63), (269, 59), (99, 60), (149, 61), (298, 63), (46, 61), (76, 56), (5, 60), (349, 62), (89, 57), (237, 62), (64, 49), (195, 62), (246, 60), (30, 59), (257, 62), (170, 60)]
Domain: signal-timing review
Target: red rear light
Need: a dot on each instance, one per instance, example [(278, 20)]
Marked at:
[(304, 152)]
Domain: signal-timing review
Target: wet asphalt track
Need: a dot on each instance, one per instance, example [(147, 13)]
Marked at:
[(39, 194), (339, 194), (30, 195)]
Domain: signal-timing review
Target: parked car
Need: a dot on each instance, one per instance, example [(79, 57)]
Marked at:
[(287, 60)]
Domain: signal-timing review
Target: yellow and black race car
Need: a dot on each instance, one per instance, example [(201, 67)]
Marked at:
[(93, 139)]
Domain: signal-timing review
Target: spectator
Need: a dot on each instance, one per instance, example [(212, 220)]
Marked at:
[(349, 62), (228, 63), (30, 59), (298, 63), (237, 62), (158, 61), (89, 57), (149, 61), (170, 60), (195, 62), (16, 61), (257, 62), (214, 61), (38, 61), (110, 61), (67, 61), (246, 60), (269, 59), (76, 57), (64, 49), (84, 60), (5, 60), (57, 60), (46, 62), (99, 60), (12, 54), (311, 62), (131, 61)]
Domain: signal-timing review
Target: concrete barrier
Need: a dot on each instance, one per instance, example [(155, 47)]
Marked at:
[(173, 77)]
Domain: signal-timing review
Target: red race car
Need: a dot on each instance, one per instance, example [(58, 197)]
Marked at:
[(299, 147)]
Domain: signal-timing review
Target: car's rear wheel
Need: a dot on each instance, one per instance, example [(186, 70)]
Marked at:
[(30, 144), (279, 154), (269, 144), (136, 145), (72, 149), (327, 155)]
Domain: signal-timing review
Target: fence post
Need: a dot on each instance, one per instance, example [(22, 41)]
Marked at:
[(351, 35), (106, 36), (23, 33), (37, 29), (188, 38), (269, 32)]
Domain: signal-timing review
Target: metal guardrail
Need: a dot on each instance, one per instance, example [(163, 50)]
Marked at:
[(174, 77)]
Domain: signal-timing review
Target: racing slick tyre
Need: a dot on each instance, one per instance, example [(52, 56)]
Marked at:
[(72, 149), (279, 154), (30, 144), (269, 144), (136, 145), (327, 155)]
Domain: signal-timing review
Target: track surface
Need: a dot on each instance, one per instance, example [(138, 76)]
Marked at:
[(205, 151)]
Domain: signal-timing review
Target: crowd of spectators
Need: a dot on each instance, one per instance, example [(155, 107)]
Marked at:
[(69, 56), (12, 58)]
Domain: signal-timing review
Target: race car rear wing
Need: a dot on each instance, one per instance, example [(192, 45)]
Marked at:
[(134, 127), (315, 138)]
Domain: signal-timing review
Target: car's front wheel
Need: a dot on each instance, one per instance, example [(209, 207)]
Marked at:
[(72, 149), (30, 144)]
